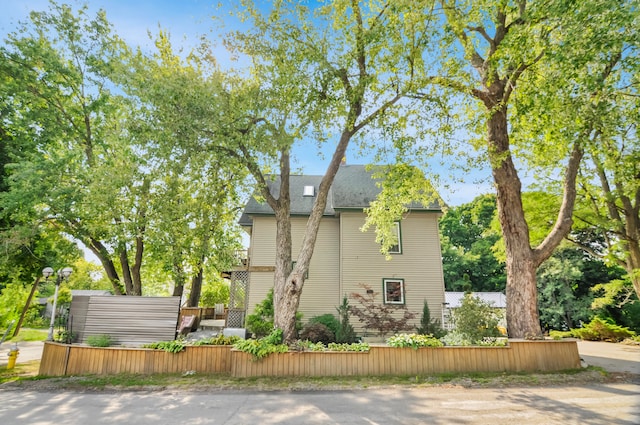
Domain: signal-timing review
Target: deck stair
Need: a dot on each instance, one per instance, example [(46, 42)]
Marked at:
[(212, 324)]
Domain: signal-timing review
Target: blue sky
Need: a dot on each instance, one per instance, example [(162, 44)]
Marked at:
[(186, 20)]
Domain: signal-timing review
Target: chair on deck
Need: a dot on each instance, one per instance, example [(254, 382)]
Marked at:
[(219, 312), (186, 323)]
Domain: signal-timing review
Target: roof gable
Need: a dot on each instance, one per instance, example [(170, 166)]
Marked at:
[(353, 188)]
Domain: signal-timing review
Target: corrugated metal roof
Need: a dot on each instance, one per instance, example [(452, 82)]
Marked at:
[(496, 299)]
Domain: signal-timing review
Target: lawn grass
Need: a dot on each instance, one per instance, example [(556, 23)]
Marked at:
[(25, 375), (29, 334), (21, 371)]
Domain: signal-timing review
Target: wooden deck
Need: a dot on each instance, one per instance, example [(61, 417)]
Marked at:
[(519, 356)]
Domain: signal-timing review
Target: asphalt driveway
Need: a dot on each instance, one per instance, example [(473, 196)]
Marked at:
[(617, 358)]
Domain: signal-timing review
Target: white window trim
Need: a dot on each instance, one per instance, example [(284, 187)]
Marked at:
[(399, 238), (402, 291)]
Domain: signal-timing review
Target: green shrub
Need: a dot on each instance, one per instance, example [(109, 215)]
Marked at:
[(329, 320), (556, 335), (414, 341), (169, 346), (332, 346), (491, 341), (356, 346), (455, 338), (476, 319), (317, 332), (345, 332), (306, 345), (34, 319), (260, 323), (218, 340), (429, 326), (99, 340), (260, 348), (377, 316), (601, 330)]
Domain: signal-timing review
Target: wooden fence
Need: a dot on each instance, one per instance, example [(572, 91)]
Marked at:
[(61, 359), (128, 320), (519, 356)]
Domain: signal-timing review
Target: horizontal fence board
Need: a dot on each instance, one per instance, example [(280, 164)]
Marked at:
[(519, 356), (129, 321), (60, 359)]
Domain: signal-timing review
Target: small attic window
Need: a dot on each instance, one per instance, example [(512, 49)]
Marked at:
[(309, 191)]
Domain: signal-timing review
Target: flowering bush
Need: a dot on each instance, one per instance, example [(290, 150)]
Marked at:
[(456, 339), (462, 340), (493, 341), (332, 346), (414, 341)]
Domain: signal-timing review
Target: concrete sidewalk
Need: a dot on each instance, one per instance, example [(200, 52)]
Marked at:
[(28, 351)]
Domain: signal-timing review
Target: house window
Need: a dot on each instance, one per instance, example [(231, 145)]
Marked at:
[(393, 290), (397, 248)]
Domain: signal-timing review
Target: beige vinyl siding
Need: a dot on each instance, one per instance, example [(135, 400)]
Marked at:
[(420, 264), (263, 241), (320, 293), (262, 253), (259, 285)]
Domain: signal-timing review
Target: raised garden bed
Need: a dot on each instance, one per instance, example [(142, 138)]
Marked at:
[(518, 356)]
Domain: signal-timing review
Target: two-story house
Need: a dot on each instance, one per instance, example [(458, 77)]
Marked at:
[(344, 256)]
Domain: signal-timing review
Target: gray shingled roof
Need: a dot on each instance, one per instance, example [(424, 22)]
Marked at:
[(353, 188)]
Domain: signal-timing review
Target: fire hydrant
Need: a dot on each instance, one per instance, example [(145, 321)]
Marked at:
[(13, 356)]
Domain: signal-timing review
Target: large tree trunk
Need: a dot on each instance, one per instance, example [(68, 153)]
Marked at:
[(139, 241), (522, 261), (288, 282), (103, 255), (522, 296), (196, 288), (179, 276), (136, 276), (286, 294), (126, 270)]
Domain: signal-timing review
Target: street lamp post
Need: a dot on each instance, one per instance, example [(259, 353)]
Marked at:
[(62, 274)]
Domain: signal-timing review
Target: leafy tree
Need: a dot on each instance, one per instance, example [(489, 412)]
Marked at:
[(505, 63), (55, 68), (215, 292), (610, 201), (88, 276), (197, 193), (340, 72), (99, 167), (467, 241), (561, 306), (13, 296)]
